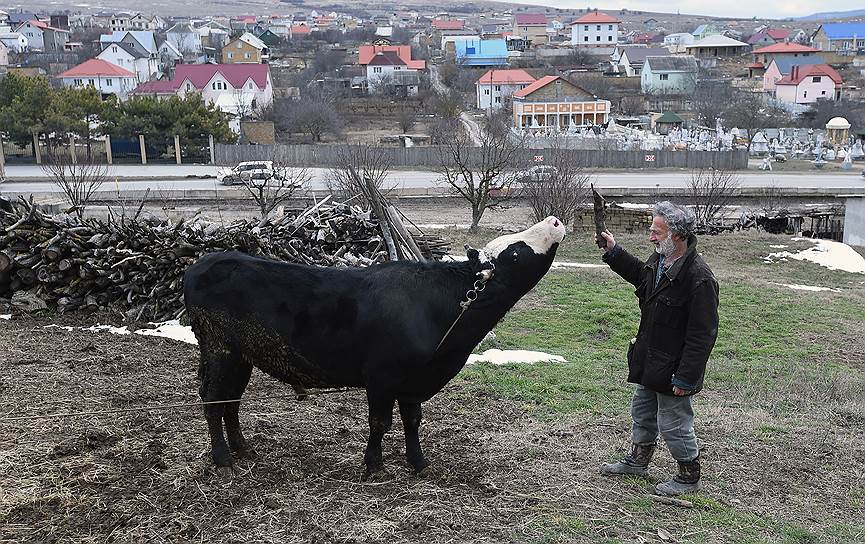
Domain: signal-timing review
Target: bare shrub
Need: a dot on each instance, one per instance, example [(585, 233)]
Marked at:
[(770, 198), (369, 162), (270, 193), (564, 193), (406, 121), (711, 190), (76, 180)]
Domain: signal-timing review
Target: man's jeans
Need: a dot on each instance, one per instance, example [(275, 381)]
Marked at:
[(668, 415)]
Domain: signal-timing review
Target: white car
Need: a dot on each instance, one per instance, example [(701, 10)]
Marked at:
[(246, 171)]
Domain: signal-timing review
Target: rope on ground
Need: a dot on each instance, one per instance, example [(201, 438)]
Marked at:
[(170, 406)]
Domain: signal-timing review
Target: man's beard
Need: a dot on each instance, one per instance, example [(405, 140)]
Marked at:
[(666, 247)]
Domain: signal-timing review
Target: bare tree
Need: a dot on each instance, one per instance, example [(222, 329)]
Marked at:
[(564, 193), (315, 116), (406, 121), (711, 190), (271, 192), (369, 162), (711, 100), (76, 180), (484, 175), (632, 105), (748, 112), (770, 198)]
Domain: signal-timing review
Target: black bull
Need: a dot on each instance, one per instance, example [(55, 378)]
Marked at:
[(378, 328)]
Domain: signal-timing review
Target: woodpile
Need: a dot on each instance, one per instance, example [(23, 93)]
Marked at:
[(137, 265)]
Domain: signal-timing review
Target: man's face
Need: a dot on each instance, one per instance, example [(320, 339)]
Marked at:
[(661, 236)]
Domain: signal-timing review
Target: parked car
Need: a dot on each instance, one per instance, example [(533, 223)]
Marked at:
[(537, 173), (252, 170)]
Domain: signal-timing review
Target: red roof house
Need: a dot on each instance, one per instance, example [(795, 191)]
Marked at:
[(596, 17), (441, 24), (368, 52)]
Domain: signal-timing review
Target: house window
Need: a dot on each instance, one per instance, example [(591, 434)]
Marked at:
[(231, 55), (246, 55), (498, 100), (585, 38), (823, 93), (597, 38), (609, 27), (470, 50), (805, 94), (188, 87), (817, 79), (498, 88), (114, 49), (598, 27), (609, 38), (586, 27), (249, 86), (376, 69), (78, 82), (213, 86), (664, 77), (108, 83), (239, 45), (91, 82), (397, 67)]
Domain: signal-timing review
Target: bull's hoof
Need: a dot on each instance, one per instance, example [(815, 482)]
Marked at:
[(419, 466), (226, 473), (371, 472)]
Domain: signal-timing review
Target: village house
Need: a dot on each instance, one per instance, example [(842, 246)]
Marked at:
[(669, 75), (809, 83), (185, 39), (478, 52), (14, 41), (142, 41), (532, 26), (143, 22), (245, 49), (387, 70), (105, 77), (704, 31), (119, 22), (236, 89), (42, 37), (632, 59), (840, 37), (716, 46), (768, 36), (4, 55), (494, 87), (677, 42), (765, 55), (595, 29), (782, 66), (554, 103), (145, 67), (447, 24), (299, 31)]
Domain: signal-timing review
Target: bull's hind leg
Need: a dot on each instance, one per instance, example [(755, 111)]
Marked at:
[(238, 380), (411, 416), (380, 421)]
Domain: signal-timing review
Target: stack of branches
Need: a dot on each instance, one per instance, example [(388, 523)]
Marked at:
[(137, 266)]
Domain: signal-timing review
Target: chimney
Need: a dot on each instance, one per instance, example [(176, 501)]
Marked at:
[(794, 73)]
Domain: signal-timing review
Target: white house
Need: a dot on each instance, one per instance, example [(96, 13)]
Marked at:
[(142, 41), (4, 55), (595, 29), (168, 56), (124, 55), (677, 42), (185, 39), (119, 22), (143, 22), (105, 77), (42, 37), (236, 89), (15, 41), (494, 87), (388, 68)]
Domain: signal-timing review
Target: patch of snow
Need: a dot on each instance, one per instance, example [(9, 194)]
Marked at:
[(827, 253), (503, 357), (807, 287), (633, 206), (65, 328), (171, 329), (107, 328), (6, 316), (439, 226), (563, 264), (781, 246)]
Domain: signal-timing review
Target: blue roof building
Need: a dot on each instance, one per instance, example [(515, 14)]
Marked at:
[(474, 52), (840, 37)]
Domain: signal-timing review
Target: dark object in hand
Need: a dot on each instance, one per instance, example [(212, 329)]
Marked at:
[(600, 225)]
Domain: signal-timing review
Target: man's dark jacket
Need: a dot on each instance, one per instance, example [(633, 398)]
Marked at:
[(678, 319)]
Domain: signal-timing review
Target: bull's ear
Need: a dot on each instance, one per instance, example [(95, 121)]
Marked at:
[(473, 254)]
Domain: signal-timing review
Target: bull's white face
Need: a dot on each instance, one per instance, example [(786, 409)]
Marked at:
[(540, 238)]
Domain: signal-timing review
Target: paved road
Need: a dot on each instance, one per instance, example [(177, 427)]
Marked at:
[(402, 179)]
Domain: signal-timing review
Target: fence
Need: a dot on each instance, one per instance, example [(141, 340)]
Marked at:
[(431, 157)]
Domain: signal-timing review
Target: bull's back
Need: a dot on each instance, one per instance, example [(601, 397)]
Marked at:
[(297, 323)]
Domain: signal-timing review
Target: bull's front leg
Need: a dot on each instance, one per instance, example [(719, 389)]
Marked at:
[(411, 417), (380, 421)]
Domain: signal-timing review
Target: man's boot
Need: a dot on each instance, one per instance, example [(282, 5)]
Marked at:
[(686, 481), (636, 463)]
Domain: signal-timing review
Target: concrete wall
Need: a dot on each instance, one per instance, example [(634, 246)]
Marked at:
[(854, 222)]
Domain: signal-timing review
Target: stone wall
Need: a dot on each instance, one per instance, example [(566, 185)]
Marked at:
[(630, 220)]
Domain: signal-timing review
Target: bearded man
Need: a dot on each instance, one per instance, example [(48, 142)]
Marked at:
[(678, 298)]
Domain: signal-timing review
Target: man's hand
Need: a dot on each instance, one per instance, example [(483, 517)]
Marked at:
[(680, 392), (611, 242)]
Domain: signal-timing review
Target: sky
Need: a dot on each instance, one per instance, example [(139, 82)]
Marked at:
[(776, 9)]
